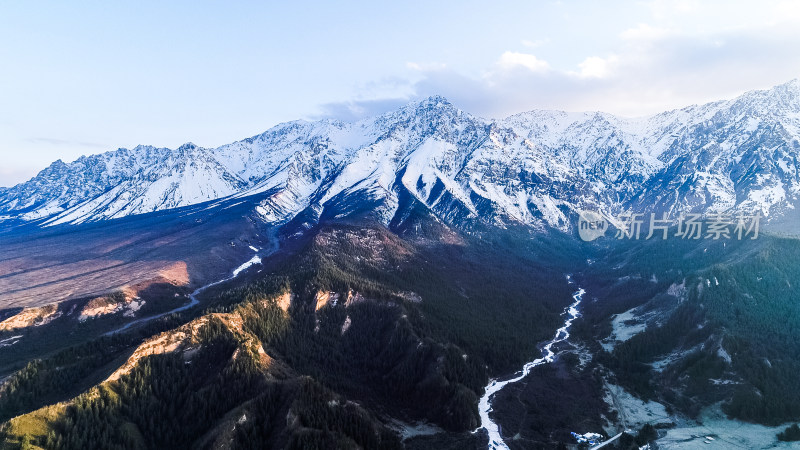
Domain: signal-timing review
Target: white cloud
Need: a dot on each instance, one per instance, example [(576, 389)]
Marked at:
[(653, 67), (357, 109), (597, 67), (513, 60), (672, 55)]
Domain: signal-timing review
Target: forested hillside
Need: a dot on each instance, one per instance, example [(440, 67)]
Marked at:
[(349, 328), (721, 324)]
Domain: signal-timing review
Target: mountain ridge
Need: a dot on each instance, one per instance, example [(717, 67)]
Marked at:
[(533, 168)]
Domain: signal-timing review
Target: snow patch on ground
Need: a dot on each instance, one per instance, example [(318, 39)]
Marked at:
[(410, 430), (661, 364), (634, 412), (723, 354), (346, 324), (9, 341), (133, 307), (253, 261), (711, 430), (625, 326), (725, 433), (677, 290)]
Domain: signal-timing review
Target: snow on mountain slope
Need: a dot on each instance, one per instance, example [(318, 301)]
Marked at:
[(531, 168), (121, 183), (743, 154)]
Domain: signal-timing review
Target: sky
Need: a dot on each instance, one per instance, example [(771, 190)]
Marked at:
[(88, 77)]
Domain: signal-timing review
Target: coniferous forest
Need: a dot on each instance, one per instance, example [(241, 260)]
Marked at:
[(352, 330), (424, 329)]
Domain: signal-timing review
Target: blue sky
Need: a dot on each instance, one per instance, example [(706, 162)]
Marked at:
[(87, 77)]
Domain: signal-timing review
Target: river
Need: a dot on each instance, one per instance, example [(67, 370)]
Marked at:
[(193, 301), (485, 405)]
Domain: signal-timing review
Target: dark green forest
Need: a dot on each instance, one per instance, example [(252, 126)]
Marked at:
[(742, 297), (432, 317), (434, 320)]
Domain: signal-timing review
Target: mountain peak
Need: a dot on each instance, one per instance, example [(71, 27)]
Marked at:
[(187, 146), (791, 87), (435, 104), (794, 84), (526, 168), (434, 101), (436, 98)]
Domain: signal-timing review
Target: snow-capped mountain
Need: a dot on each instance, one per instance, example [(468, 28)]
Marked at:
[(739, 154), (532, 168), (121, 183)]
